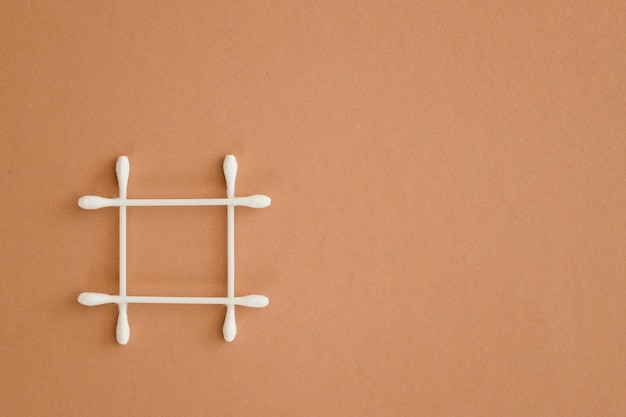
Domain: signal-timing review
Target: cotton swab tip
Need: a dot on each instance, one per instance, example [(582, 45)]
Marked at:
[(258, 201), (230, 173), (122, 331), (254, 300), (230, 165), (230, 326), (92, 202), (94, 299), (122, 169)]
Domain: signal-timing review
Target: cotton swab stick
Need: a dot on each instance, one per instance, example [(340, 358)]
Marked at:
[(95, 299), (230, 174), (93, 202), (122, 331)]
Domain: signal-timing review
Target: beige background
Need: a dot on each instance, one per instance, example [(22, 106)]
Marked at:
[(448, 224)]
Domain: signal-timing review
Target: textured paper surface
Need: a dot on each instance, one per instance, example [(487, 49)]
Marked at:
[(448, 224)]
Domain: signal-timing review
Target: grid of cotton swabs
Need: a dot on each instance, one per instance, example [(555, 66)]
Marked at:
[(122, 299)]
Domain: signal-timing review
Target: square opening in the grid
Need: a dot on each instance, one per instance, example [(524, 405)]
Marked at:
[(177, 251)]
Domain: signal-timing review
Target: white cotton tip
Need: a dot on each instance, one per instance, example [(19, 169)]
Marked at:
[(92, 202), (230, 326), (254, 300), (122, 332), (230, 173), (94, 299), (258, 201), (122, 169)]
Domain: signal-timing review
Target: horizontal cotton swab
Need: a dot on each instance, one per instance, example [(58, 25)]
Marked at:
[(92, 202), (96, 299)]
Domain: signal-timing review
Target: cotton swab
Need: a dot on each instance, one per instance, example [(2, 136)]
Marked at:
[(122, 331), (230, 174), (96, 299), (93, 202)]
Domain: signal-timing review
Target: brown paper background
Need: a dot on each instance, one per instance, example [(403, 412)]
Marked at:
[(448, 224)]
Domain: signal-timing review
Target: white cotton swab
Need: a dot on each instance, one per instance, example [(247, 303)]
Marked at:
[(96, 299), (122, 331), (93, 202), (230, 174)]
